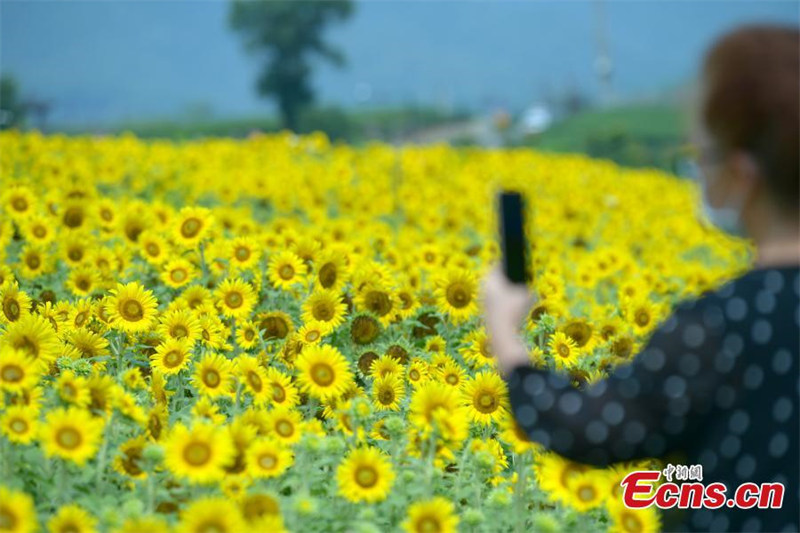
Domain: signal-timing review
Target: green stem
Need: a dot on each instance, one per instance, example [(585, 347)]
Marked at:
[(101, 458)]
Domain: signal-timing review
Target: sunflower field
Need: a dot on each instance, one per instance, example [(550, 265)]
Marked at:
[(282, 334)]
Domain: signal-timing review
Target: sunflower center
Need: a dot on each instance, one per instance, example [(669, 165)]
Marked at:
[(642, 318), (378, 302), (249, 334), (179, 275), (73, 217), (19, 203), (33, 261), (631, 523), (413, 374), (212, 527), (83, 284), (366, 476), (132, 310), (255, 381), (457, 295), (242, 253), (286, 272), (267, 462), (211, 378), (68, 438), (452, 379), (312, 335), (428, 524), (12, 373), (386, 396), (39, 232), (197, 453), (586, 493), (278, 394), (153, 249), (327, 275), (8, 520), (191, 227), (173, 359), (284, 428), (322, 374), (323, 311), (234, 300), (486, 402), (80, 318), (18, 425), (563, 350), (11, 309), (179, 331)]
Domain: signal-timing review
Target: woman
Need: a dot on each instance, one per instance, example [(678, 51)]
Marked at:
[(717, 384)]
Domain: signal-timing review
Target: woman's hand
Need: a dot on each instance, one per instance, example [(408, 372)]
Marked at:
[(505, 306)]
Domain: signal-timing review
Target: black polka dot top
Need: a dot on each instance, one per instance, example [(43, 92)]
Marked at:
[(717, 385)]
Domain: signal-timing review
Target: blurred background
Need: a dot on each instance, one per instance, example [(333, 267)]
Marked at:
[(610, 79)]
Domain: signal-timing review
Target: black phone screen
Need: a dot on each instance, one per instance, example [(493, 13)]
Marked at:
[(512, 233)]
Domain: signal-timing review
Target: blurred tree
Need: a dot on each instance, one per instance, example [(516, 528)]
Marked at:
[(288, 31), (12, 110)]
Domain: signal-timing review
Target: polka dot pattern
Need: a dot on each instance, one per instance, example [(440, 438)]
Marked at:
[(718, 382)]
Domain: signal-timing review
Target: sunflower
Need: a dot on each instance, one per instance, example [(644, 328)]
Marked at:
[(83, 280), (71, 433), (366, 474), (555, 474), (417, 372), (456, 294), (262, 512), (212, 375), (199, 454), (19, 202), (324, 305), (642, 314), (18, 372), (132, 308), (452, 374), (283, 423), (235, 298), (19, 423), (485, 397), (172, 355), (388, 392), (282, 391), (385, 365), (378, 299), (213, 332), (178, 272), (437, 514), (254, 378), (564, 350), (211, 514), (323, 371), (244, 253), (17, 512), (581, 332), (179, 324), (330, 269), (195, 296), (274, 325), (14, 303), (191, 225), (33, 335), (129, 461), (247, 335), (268, 458), (364, 329), (586, 490), (73, 389), (476, 349), (627, 520), (286, 269), (87, 343)]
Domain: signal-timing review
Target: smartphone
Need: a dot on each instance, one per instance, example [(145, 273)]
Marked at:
[(512, 235)]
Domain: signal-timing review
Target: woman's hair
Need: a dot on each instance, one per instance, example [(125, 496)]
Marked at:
[(752, 78)]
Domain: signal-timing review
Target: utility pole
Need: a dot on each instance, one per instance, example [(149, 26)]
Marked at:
[(603, 65)]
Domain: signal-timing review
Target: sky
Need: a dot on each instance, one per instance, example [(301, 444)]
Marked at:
[(101, 62)]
